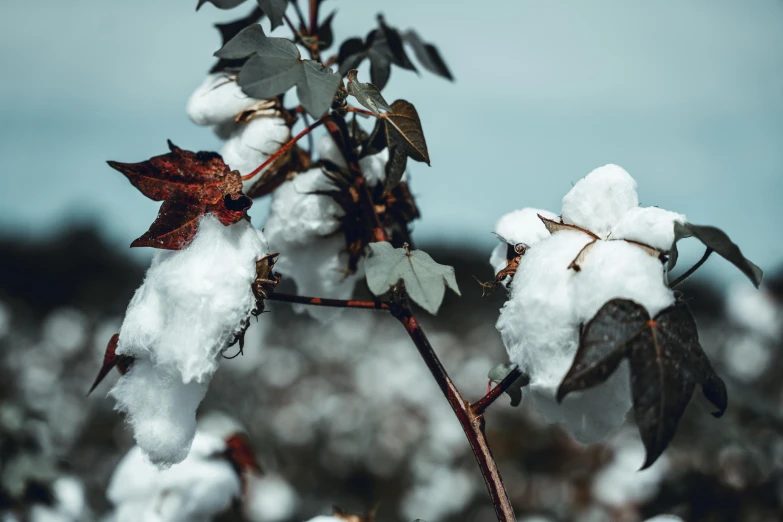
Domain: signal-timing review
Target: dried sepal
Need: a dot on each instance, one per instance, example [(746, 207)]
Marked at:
[(265, 282), (110, 360), (395, 210)]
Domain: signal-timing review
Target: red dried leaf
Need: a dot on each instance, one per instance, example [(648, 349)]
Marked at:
[(191, 184), (176, 224), (110, 360)]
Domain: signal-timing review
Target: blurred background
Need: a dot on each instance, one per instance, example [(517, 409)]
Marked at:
[(687, 96)]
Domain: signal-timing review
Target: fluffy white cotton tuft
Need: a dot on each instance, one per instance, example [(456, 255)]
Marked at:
[(652, 226), (253, 143), (618, 269), (160, 408), (539, 327), (519, 226), (189, 308), (301, 226), (600, 199), (218, 100), (197, 489)]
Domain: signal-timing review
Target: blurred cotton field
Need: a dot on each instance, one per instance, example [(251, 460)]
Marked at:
[(347, 414)]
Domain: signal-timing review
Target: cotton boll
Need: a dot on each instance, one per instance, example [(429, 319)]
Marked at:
[(540, 331), (191, 305), (160, 408), (519, 226), (599, 200), (219, 99), (253, 143), (621, 482), (194, 300), (652, 226), (296, 215), (298, 225), (197, 489), (664, 518), (618, 269)]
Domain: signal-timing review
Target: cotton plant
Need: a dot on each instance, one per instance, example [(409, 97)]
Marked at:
[(575, 282), (339, 226)]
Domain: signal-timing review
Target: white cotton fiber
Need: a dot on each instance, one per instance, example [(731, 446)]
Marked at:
[(600, 199), (519, 226), (540, 331), (253, 143), (373, 167), (218, 100), (652, 226), (298, 224), (160, 408), (192, 303), (197, 489), (297, 215), (194, 300), (618, 269)]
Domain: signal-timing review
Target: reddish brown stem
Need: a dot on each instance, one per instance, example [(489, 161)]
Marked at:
[(360, 111), (481, 405), (313, 17), (321, 301), (472, 423), (285, 147)]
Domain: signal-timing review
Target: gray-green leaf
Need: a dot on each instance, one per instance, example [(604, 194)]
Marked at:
[(275, 65), (720, 243), (425, 280), (367, 94)]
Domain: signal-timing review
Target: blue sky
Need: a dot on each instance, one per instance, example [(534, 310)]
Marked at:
[(687, 96)]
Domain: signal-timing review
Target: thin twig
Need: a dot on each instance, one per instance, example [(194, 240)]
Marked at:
[(299, 15), (291, 26), (472, 424), (334, 303), (284, 148), (692, 269), (481, 405)]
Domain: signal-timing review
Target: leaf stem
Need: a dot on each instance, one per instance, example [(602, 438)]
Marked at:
[(692, 269), (361, 111), (285, 147), (322, 301), (481, 405), (291, 26)]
